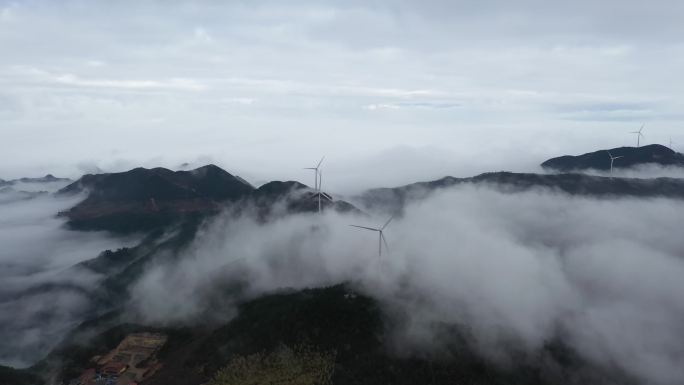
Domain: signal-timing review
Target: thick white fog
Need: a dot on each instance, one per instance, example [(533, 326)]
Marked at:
[(521, 269), (41, 295)]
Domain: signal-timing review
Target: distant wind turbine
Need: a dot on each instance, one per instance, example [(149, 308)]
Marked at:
[(320, 192), (671, 144), (612, 159), (639, 134), (381, 235), (317, 186), (315, 169)]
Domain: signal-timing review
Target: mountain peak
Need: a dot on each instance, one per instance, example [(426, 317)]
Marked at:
[(156, 195), (209, 168), (278, 188)]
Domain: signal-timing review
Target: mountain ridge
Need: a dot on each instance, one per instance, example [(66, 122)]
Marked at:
[(48, 178), (628, 157), (393, 199), (144, 199)]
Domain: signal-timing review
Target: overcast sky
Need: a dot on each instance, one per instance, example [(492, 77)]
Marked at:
[(390, 91)]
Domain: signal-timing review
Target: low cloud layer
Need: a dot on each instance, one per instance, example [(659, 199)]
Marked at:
[(522, 269), (41, 295), (645, 171)]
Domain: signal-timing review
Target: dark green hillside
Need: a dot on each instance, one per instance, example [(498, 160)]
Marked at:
[(150, 199), (335, 322), (356, 329), (10, 376), (146, 199)]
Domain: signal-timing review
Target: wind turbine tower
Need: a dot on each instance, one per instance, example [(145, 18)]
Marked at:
[(639, 134), (315, 169), (320, 192), (381, 234), (612, 159)]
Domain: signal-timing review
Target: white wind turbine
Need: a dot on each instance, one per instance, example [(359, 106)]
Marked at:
[(320, 192), (639, 134), (317, 186), (612, 159), (315, 169), (381, 235)]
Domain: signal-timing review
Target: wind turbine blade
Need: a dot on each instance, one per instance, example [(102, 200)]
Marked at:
[(387, 223), (382, 236), (318, 196), (319, 163), (618, 157), (308, 168), (364, 227)]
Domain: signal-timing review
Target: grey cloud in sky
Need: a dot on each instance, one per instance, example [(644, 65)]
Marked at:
[(262, 87)]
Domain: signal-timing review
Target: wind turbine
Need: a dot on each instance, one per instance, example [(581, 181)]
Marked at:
[(381, 235), (317, 186), (639, 134), (321, 193), (612, 159), (315, 169)]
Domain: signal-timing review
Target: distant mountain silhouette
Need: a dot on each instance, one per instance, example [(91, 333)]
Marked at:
[(141, 184), (143, 199), (13, 190), (394, 199), (45, 179), (630, 157)]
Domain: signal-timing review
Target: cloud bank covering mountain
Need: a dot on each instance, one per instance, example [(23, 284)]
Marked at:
[(42, 295), (518, 270)]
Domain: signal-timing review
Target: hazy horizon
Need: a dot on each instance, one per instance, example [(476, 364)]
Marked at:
[(264, 89)]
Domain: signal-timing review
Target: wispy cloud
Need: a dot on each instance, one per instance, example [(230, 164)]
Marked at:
[(177, 84), (419, 105), (18, 75)]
